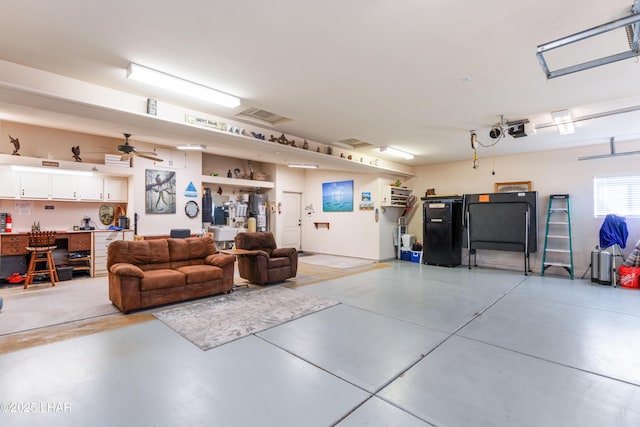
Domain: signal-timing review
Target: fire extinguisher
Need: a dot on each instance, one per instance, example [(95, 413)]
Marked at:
[(9, 226)]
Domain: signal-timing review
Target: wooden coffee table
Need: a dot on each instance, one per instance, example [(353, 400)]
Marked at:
[(238, 251)]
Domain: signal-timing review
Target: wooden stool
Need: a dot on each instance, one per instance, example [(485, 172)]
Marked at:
[(41, 246)]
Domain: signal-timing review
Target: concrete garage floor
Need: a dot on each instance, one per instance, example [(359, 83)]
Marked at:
[(409, 345)]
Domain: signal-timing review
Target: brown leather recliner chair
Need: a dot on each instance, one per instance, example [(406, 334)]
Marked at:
[(266, 263)]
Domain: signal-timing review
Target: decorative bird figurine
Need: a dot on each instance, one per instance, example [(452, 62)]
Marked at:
[(16, 145), (76, 153)]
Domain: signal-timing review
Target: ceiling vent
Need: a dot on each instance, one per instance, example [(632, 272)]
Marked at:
[(262, 116), (355, 143)]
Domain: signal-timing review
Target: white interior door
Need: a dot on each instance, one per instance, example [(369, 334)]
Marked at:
[(291, 220)]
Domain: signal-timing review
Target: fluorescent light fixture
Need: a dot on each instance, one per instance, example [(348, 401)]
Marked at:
[(397, 152), (563, 120), (50, 170), (303, 165), (191, 147), (184, 87)]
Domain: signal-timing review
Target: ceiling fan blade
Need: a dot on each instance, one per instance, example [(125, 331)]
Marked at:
[(148, 155)]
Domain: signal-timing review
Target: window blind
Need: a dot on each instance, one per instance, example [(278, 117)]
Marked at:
[(618, 195)]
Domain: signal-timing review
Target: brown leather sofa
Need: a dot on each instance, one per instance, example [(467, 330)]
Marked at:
[(148, 273), (265, 263)]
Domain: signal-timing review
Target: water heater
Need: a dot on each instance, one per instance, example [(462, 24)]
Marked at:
[(258, 208), (207, 206)]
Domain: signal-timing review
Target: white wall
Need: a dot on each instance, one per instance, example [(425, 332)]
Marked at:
[(356, 233), (551, 172), (161, 224)]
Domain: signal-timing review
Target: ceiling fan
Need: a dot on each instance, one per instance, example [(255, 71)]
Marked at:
[(129, 150)]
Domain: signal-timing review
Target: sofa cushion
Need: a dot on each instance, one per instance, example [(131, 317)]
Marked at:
[(279, 262), (161, 279), (146, 254), (200, 273), (191, 248)]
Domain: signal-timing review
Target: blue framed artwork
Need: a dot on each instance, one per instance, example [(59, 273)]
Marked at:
[(337, 196)]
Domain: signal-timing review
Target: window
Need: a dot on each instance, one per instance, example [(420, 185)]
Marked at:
[(618, 195)]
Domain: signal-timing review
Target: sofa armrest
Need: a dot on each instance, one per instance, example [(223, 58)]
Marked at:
[(219, 260), (126, 269), (283, 252), (258, 253)]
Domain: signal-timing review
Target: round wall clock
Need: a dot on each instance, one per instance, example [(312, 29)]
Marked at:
[(106, 214), (191, 209)]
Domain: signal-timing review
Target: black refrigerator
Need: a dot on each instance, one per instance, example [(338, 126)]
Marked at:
[(442, 231)]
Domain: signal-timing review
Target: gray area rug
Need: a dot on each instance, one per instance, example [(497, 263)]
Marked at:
[(216, 321), (333, 261)]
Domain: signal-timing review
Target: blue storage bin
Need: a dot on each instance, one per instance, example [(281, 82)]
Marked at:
[(405, 255), (415, 256)]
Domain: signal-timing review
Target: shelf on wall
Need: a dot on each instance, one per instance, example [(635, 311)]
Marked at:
[(236, 182), (322, 224)]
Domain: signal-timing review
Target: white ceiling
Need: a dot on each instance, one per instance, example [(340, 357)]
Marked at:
[(414, 74)]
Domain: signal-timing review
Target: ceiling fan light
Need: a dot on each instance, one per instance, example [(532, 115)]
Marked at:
[(184, 87)]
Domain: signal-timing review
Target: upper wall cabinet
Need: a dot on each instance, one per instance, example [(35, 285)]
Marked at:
[(10, 187), (91, 189), (172, 159), (64, 187), (108, 189), (34, 185), (115, 189)]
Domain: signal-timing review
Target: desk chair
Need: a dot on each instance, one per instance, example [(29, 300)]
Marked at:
[(41, 246), (180, 233)]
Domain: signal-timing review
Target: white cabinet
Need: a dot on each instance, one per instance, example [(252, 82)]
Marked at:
[(172, 159), (10, 187), (90, 188), (394, 196), (34, 185), (115, 189), (64, 187), (108, 189), (99, 246), (71, 187)]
